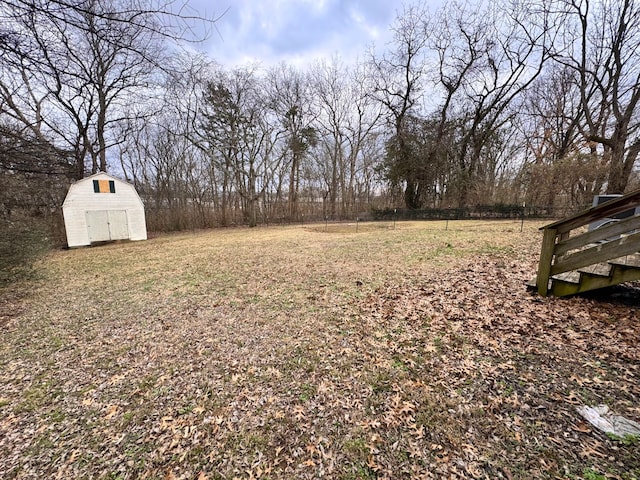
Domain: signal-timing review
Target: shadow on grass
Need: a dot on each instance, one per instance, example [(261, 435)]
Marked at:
[(22, 242)]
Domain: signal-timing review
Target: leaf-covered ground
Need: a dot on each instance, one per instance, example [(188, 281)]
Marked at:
[(313, 352)]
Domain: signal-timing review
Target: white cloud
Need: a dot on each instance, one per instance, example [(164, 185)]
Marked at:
[(296, 31)]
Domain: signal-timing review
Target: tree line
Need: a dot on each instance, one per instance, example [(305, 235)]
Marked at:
[(477, 103)]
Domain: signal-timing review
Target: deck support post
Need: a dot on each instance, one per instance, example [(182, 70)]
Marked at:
[(546, 259)]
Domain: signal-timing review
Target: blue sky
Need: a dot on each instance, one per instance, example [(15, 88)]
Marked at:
[(295, 31)]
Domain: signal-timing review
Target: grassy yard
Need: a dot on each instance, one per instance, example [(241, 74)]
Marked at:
[(312, 352)]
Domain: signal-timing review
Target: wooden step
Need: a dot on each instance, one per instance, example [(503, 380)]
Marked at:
[(598, 269), (568, 277), (571, 283), (631, 261), (565, 284), (573, 260)]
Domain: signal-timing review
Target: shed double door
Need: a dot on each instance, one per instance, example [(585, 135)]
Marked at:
[(105, 225)]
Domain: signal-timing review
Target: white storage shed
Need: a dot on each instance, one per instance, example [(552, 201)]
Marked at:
[(101, 208)]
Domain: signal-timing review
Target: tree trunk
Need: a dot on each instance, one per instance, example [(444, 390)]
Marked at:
[(293, 186)]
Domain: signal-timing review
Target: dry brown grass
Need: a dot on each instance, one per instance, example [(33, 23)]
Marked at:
[(313, 352)]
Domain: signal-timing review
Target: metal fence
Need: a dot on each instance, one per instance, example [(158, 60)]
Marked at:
[(476, 212)]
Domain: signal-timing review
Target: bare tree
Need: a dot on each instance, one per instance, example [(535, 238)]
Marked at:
[(73, 70), (347, 116), (559, 165), (289, 99), (488, 56), (165, 158), (397, 82), (239, 134), (602, 47), (331, 96), (362, 130)]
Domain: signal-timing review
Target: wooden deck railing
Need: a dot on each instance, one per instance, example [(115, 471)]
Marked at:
[(561, 252)]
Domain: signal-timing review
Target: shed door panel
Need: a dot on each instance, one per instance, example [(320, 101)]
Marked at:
[(105, 225), (98, 225), (118, 227)]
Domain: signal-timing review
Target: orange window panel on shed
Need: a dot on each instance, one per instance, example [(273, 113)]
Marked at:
[(104, 186)]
